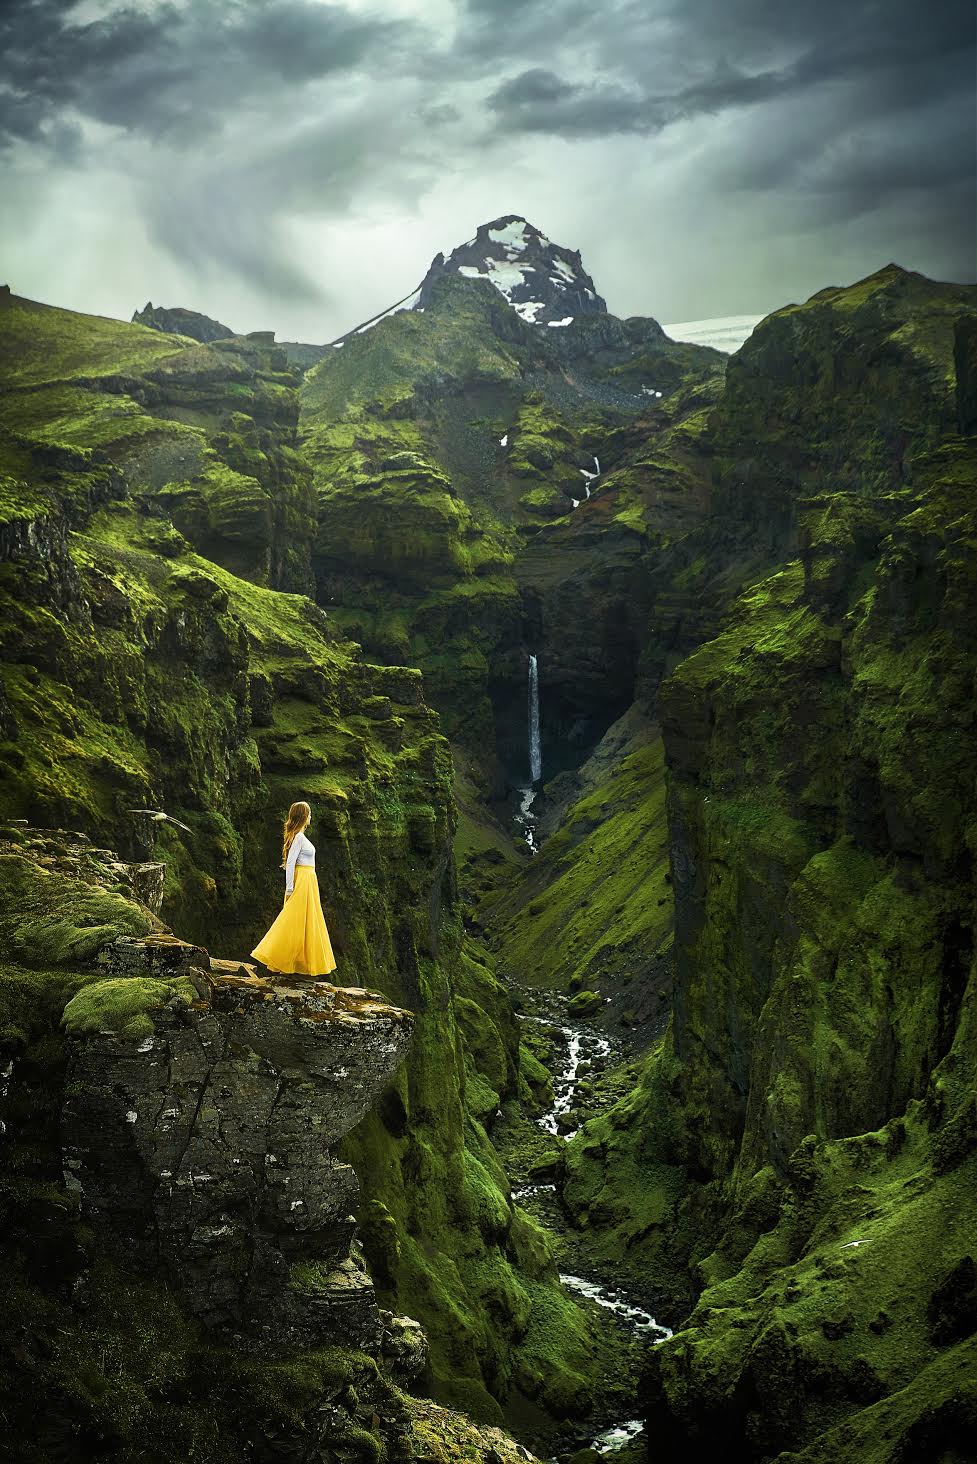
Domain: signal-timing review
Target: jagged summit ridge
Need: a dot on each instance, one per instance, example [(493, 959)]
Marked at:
[(545, 282), (179, 321)]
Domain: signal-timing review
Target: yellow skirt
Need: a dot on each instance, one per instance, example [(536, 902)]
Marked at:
[(298, 942)]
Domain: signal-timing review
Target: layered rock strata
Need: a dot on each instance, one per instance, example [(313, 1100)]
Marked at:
[(205, 1145)]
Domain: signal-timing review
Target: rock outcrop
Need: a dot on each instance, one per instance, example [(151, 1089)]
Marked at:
[(201, 1139), (178, 321), (797, 1152), (177, 1237)]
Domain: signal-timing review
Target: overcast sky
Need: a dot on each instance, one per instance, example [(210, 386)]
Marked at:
[(295, 165)]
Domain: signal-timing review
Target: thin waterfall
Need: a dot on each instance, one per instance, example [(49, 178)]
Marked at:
[(535, 760), (588, 478)]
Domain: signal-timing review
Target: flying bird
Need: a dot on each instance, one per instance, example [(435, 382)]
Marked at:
[(158, 817)]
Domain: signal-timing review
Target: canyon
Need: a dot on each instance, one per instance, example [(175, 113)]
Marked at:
[(632, 686)]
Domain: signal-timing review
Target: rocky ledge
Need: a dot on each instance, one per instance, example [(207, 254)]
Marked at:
[(204, 1253), (203, 1101), (203, 1105)]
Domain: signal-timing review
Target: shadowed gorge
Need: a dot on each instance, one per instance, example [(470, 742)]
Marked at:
[(632, 687)]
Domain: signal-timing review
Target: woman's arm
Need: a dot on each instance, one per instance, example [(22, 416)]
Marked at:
[(293, 854)]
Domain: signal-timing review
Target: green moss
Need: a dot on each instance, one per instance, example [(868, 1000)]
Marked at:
[(827, 1318), (124, 1005), (22, 500), (624, 1177), (134, 1374), (535, 1082), (597, 893), (39, 343), (80, 419), (47, 918), (454, 336), (32, 1000)]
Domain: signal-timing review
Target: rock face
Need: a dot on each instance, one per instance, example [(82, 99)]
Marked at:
[(452, 450), (181, 322), (170, 1199), (806, 1132), (72, 854), (545, 283), (204, 1148), (150, 660)]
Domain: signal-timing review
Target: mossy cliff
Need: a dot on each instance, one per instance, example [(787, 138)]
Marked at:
[(139, 673), (448, 446), (801, 1155), (593, 911), (179, 1282), (757, 662), (832, 395)]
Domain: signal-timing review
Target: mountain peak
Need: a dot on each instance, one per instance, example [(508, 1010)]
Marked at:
[(544, 282)]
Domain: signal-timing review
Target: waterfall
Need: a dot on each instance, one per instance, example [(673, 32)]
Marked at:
[(588, 478), (535, 761)]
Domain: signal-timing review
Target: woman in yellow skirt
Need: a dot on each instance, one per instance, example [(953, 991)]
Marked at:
[(298, 941)]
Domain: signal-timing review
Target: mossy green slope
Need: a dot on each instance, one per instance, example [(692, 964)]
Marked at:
[(443, 442), (208, 428), (816, 1083), (402, 560), (140, 673), (832, 395), (593, 909)]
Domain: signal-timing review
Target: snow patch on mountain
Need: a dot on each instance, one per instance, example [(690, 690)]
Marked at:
[(528, 309), (513, 235), (506, 252)]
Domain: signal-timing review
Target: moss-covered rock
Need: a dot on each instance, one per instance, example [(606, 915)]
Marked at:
[(811, 1099), (594, 907), (443, 441), (145, 667)]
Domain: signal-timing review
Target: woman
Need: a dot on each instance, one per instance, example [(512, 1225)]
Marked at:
[(298, 941)]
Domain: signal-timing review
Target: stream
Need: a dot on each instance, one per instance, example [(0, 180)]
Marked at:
[(582, 1049), (578, 1050), (525, 818)]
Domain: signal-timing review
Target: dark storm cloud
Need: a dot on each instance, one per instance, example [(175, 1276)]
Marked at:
[(540, 101), (903, 79), (894, 53), (235, 123), (175, 69), (217, 88)]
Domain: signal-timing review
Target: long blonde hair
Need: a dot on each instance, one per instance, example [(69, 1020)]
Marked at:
[(298, 816)]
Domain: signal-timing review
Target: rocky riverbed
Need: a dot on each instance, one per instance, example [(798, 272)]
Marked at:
[(587, 1063)]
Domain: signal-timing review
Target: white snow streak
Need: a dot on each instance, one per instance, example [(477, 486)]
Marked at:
[(513, 235), (527, 309)]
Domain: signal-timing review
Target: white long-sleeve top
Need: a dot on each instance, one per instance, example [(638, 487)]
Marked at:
[(300, 851)]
